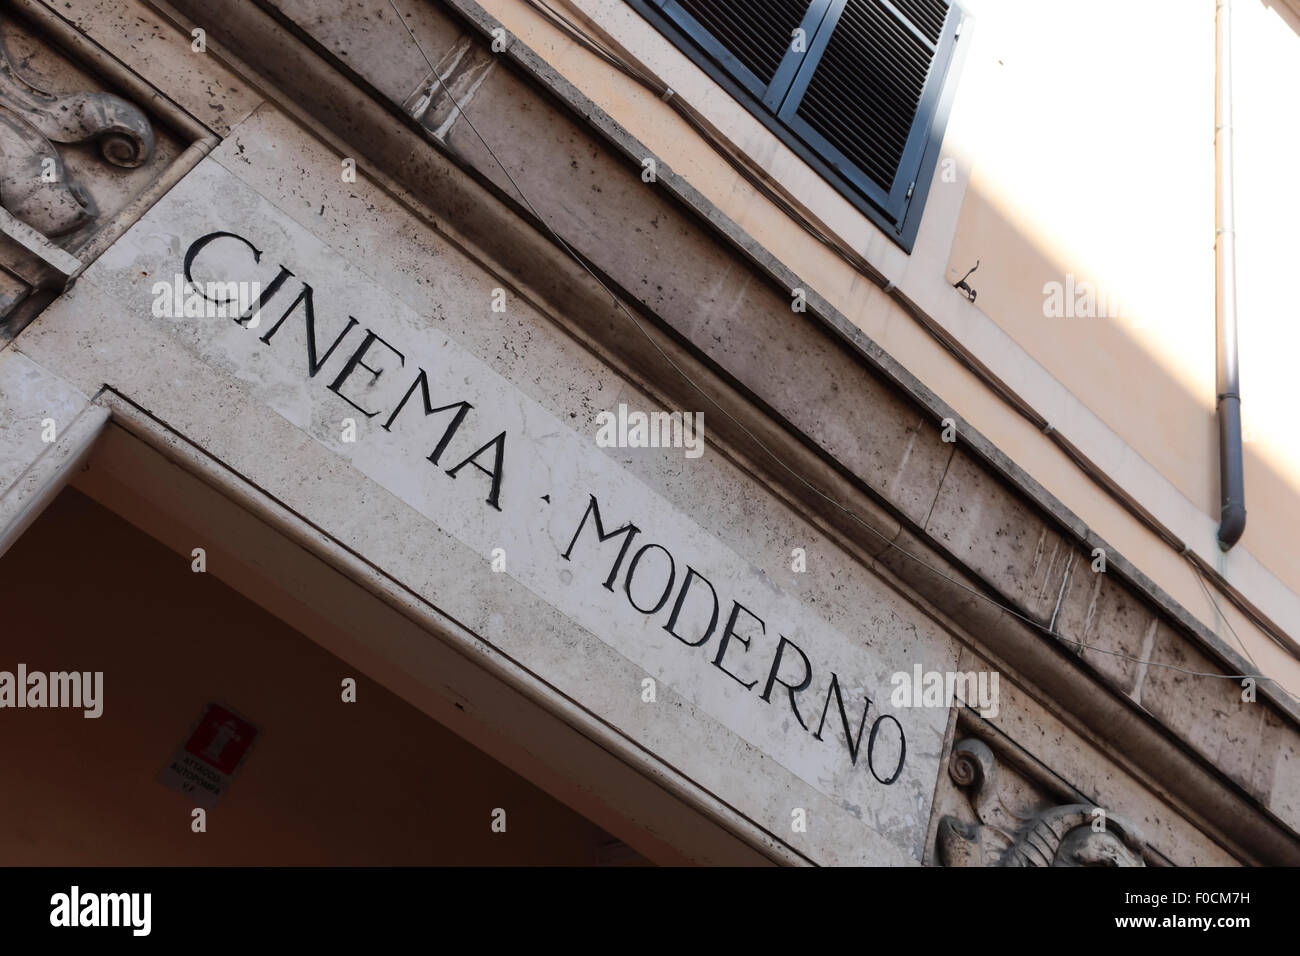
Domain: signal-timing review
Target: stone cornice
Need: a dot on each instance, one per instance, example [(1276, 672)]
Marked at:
[(460, 193)]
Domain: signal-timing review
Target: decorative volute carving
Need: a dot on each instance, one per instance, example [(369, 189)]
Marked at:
[(34, 184), (1068, 835)]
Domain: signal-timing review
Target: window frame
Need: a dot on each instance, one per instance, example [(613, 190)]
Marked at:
[(897, 211), (771, 94)]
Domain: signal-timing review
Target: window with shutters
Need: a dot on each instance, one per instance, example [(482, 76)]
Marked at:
[(855, 87)]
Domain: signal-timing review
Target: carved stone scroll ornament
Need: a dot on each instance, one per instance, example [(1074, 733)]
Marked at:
[(34, 185), (1058, 836)]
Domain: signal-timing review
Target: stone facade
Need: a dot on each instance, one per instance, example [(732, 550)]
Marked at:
[(922, 554)]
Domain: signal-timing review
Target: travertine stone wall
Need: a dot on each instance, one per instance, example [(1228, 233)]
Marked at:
[(415, 248)]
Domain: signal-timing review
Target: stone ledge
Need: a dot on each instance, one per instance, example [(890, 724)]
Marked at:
[(430, 177)]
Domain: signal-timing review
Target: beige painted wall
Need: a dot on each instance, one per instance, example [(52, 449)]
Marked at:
[(1099, 163), (1081, 147)]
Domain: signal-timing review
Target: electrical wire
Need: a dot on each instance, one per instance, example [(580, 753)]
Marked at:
[(848, 512), (861, 265), (1218, 610)]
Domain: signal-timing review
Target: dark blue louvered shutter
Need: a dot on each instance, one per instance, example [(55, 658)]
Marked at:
[(752, 40), (866, 93), (862, 103)]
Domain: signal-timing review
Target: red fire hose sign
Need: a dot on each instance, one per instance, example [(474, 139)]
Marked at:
[(205, 764)]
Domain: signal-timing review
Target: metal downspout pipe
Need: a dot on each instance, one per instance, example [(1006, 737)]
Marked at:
[(1232, 483)]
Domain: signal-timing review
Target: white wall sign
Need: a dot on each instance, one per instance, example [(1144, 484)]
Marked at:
[(483, 461)]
